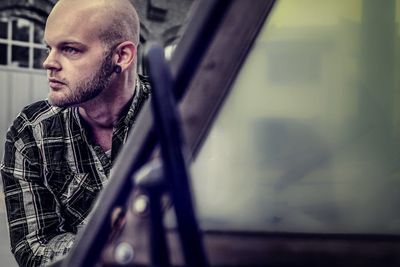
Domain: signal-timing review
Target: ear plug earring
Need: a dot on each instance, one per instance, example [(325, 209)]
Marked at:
[(117, 69)]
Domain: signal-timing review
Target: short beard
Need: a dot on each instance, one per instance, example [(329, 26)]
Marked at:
[(89, 89)]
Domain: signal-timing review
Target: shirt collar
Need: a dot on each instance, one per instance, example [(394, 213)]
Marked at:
[(142, 91)]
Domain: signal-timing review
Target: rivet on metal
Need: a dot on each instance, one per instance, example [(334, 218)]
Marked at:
[(124, 253), (141, 204)]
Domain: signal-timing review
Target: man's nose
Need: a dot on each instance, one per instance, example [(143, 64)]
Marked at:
[(51, 62)]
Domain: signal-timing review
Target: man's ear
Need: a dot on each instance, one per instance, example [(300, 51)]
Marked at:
[(125, 54)]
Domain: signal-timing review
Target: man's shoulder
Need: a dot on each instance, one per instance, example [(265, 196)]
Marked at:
[(38, 111), (28, 126), (32, 116)]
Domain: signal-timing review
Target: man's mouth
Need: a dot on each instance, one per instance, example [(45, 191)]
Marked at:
[(55, 83)]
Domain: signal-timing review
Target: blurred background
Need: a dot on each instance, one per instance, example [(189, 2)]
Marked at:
[(308, 139)]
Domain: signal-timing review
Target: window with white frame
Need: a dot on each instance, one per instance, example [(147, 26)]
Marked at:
[(21, 44)]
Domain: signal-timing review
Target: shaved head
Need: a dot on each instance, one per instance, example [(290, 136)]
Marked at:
[(112, 21), (87, 40)]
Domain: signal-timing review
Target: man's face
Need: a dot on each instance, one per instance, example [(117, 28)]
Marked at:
[(84, 89), (78, 66)]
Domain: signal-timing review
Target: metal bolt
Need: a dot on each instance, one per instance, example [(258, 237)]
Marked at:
[(141, 204), (124, 253)]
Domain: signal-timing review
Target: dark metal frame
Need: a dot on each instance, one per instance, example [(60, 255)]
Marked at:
[(235, 24), (175, 171)]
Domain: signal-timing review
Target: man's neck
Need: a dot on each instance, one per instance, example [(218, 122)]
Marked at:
[(102, 114)]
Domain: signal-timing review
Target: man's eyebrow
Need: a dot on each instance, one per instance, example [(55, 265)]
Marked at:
[(71, 43), (67, 42)]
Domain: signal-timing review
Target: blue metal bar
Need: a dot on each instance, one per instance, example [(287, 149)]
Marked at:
[(174, 161)]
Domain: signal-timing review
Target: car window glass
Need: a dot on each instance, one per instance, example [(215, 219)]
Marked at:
[(308, 139)]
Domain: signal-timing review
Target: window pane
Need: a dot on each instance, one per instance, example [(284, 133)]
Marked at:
[(20, 56), (20, 30), (3, 54), (38, 34), (3, 29), (308, 140), (39, 56)]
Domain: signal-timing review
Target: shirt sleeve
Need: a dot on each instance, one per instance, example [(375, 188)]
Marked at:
[(34, 218)]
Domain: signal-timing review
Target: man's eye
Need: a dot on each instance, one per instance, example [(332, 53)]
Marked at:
[(70, 50)]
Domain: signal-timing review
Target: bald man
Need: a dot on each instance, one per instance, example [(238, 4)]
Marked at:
[(59, 151)]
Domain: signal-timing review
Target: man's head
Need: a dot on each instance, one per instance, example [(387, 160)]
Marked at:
[(86, 40)]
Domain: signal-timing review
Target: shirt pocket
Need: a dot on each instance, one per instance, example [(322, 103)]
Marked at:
[(76, 194), (58, 182)]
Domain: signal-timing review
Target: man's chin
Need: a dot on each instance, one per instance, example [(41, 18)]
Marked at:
[(58, 102)]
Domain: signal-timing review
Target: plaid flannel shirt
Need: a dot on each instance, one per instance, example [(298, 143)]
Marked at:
[(52, 174)]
